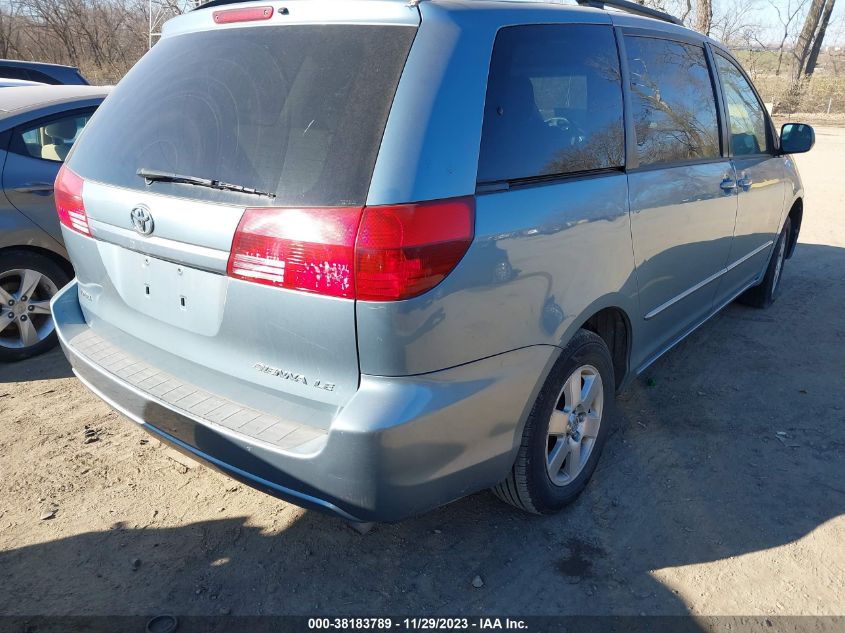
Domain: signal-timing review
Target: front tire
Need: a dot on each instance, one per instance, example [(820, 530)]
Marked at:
[(764, 294), (565, 431), (28, 281)]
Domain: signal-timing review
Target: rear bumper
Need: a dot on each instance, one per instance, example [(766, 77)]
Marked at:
[(400, 447)]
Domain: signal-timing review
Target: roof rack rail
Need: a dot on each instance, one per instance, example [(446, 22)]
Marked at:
[(631, 7)]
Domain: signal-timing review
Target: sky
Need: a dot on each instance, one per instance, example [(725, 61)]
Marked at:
[(764, 13)]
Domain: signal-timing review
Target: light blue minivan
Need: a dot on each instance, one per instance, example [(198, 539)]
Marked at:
[(371, 256)]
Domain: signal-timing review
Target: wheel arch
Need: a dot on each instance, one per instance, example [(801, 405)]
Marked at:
[(795, 215), (612, 322), (57, 258)]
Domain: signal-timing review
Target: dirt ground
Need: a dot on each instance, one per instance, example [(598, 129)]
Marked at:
[(721, 491)]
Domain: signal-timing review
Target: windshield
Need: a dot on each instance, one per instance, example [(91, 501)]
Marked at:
[(294, 111)]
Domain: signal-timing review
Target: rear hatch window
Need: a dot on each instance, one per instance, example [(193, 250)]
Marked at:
[(296, 111)]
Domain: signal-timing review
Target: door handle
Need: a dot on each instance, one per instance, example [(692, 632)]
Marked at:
[(745, 182), (38, 188), (728, 185)]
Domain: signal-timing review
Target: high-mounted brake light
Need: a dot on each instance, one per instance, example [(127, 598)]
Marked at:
[(249, 14), (383, 253), (69, 204)]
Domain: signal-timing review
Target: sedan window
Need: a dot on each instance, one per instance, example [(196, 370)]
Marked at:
[(50, 140)]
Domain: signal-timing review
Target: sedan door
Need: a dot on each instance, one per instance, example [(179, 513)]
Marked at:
[(681, 189), (36, 152)]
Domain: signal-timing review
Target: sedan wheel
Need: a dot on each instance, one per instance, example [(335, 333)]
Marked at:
[(25, 312), (28, 281)]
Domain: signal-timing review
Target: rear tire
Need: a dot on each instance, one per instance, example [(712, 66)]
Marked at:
[(28, 281), (764, 294), (541, 481)]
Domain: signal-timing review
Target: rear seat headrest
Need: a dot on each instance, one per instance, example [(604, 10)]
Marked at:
[(64, 129)]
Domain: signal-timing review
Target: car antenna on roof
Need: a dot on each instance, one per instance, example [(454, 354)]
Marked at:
[(631, 7)]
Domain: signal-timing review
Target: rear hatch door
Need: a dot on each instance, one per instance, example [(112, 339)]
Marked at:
[(285, 116)]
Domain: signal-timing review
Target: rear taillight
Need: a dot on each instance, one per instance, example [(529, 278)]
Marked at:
[(376, 254), (300, 249), (402, 251), (69, 205), (249, 14)]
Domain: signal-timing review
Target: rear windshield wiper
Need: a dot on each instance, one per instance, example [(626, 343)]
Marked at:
[(151, 176)]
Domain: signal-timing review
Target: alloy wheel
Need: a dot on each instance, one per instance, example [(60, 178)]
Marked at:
[(25, 307), (574, 425)]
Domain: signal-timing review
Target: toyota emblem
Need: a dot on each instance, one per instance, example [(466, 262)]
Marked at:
[(142, 220)]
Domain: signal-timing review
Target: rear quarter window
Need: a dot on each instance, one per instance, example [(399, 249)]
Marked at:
[(554, 103), (37, 75), (298, 111), (13, 72), (51, 138)]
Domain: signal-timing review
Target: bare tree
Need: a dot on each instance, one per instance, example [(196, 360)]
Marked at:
[(736, 22), (7, 33), (801, 50), (813, 58), (704, 16), (686, 11), (806, 50), (160, 11), (724, 17), (787, 19), (104, 38)]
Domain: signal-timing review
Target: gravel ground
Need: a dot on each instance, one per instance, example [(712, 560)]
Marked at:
[(721, 491)]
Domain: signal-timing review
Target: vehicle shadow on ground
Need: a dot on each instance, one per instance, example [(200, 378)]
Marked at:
[(730, 445), (48, 366)]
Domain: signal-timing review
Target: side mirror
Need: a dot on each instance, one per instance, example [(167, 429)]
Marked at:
[(796, 138)]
